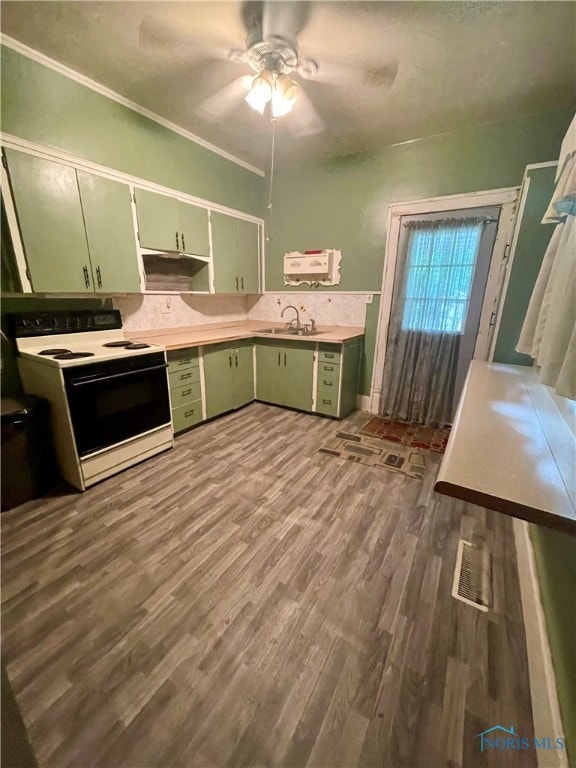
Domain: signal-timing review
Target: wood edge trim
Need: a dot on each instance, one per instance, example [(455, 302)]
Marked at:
[(507, 507)]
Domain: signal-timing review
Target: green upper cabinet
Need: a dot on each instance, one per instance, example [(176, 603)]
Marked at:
[(107, 210), (247, 250), (51, 224), (235, 249), (228, 376), (168, 224), (194, 226), (284, 374), (76, 227)]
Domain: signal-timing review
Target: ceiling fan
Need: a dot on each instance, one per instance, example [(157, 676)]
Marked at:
[(271, 82)]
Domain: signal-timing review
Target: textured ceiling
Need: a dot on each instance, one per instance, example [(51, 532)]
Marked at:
[(388, 72)]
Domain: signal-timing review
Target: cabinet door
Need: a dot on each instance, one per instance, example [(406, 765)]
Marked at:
[(158, 221), (110, 233), (51, 224), (270, 373), (218, 377), (194, 230), (298, 376), (224, 233), (247, 250), (243, 375)]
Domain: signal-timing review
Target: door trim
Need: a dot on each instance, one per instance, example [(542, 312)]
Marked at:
[(506, 198)]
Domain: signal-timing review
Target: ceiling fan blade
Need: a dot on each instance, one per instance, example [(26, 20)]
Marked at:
[(159, 34), (226, 100), (381, 75), (304, 119)]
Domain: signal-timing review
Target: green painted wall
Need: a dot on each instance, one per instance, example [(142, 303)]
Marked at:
[(44, 106), (555, 555), (533, 239), (344, 204)]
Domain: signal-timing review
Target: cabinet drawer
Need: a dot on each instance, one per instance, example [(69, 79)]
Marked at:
[(184, 376), (327, 403), (187, 415), (185, 394), (182, 358), (329, 353), (328, 375)]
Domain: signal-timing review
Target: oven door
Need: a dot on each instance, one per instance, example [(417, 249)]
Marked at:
[(113, 401)]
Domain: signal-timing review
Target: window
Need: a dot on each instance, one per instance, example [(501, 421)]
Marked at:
[(440, 268)]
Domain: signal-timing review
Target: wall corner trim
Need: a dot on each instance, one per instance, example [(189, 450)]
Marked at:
[(545, 707), (70, 73)]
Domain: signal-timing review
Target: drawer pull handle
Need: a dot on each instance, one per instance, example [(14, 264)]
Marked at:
[(189, 413), (327, 383), (328, 367), (329, 354), (185, 375), (327, 402), (186, 361), (186, 392)]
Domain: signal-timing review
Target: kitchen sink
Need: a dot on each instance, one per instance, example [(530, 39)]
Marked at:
[(288, 331)]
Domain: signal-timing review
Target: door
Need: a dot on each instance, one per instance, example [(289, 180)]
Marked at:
[(247, 250), (194, 237), (158, 221), (442, 268), (107, 210), (51, 225), (218, 377), (269, 373), (243, 375), (224, 233), (298, 376)]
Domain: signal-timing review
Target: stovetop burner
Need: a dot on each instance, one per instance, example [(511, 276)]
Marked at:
[(53, 351), (72, 355), (127, 344)]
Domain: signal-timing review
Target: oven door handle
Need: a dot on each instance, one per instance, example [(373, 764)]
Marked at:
[(95, 378)]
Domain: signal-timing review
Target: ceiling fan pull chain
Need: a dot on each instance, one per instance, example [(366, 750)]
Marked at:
[(269, 231)]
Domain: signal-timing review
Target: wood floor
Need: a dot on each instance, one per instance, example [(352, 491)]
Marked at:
[(244, 600)]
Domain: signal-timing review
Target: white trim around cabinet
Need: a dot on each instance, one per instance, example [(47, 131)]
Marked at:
[(103, 90)]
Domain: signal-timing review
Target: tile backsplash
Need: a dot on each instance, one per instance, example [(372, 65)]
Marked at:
[(147, 311), (331, 309), (151, 311)]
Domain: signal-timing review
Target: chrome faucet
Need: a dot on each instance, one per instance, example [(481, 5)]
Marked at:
[(291, 306)]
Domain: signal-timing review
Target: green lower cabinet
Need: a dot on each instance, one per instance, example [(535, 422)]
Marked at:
[(284, 374), (229, 377), (185, 388), (187, 415), (337, 378)]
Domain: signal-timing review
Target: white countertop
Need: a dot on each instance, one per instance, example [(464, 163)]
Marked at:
[(508, 450)]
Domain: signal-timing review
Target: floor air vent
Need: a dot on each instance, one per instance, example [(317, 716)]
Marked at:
[(473, 575)]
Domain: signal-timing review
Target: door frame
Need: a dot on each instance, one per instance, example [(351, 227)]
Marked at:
[(507, 199)]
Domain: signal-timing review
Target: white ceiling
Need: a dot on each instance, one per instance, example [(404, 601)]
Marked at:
[(388, 71)]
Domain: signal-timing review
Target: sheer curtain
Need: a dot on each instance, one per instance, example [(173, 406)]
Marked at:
[(431, 296)]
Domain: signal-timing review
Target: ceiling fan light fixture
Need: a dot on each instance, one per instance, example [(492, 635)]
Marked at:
[(261, 91), (284, 96)]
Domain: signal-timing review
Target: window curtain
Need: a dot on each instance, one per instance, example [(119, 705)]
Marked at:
[(430, 303), (549, 331)]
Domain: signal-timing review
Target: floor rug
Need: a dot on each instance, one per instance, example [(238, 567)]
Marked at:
[(409, 435), (375, 453)]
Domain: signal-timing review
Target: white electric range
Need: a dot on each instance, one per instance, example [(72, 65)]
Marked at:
[(109, 396)]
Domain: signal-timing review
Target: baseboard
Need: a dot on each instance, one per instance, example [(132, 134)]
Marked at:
[(363, 403), (545, 709)]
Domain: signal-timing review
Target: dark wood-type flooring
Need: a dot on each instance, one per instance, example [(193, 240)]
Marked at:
[(243, 600)]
